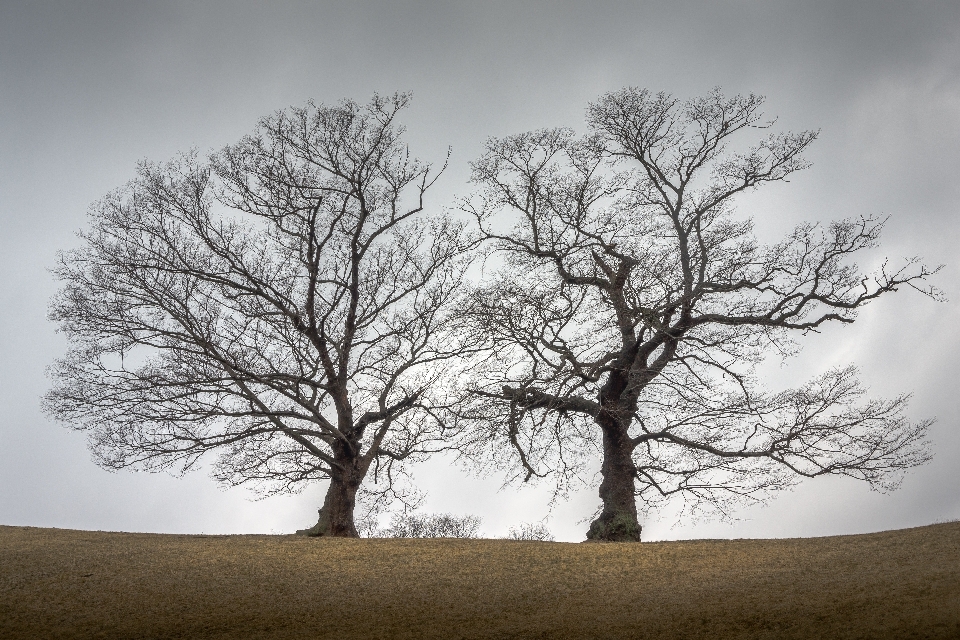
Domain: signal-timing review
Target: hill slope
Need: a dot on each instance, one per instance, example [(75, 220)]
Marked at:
[(80, 584)]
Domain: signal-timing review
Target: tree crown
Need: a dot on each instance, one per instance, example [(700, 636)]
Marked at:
[(634, 298)]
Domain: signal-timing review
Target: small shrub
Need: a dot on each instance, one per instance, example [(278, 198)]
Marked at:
[(435, 525), (369, 527), (531, 531)]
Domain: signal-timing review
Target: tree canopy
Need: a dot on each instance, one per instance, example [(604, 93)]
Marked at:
[(634, 304), (289, 303), (285, 302)]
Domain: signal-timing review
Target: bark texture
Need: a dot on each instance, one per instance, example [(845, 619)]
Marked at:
[(336, 514), (618, 520)]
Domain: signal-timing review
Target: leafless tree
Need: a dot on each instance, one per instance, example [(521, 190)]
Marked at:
[(285, 302), (633, 306)]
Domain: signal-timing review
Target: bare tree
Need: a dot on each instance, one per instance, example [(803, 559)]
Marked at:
[(285, 302), (633, 306)]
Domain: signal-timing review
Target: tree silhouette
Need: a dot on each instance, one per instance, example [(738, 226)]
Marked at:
[(633, 306), (285, 302)]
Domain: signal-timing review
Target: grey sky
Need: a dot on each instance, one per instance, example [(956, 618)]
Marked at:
[(88, 89)]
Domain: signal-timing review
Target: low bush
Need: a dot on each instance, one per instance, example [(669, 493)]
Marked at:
[(431, 525), (530, 531)]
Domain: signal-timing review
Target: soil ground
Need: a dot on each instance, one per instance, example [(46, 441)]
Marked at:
[(57, 583)]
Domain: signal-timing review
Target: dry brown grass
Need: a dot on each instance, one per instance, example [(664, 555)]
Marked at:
[(58, 583)]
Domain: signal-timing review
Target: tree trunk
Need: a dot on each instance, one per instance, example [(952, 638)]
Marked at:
[(618, 520), (336, 515)]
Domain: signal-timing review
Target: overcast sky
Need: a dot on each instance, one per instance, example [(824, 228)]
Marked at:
[(89, 88)]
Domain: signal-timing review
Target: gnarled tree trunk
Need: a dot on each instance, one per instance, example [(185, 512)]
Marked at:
[(336, 514), (618, 521)]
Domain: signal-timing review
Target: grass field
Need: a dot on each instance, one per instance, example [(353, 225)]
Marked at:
[(57, 583)]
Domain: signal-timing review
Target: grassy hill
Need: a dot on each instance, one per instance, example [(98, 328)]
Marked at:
[(57, 583)]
